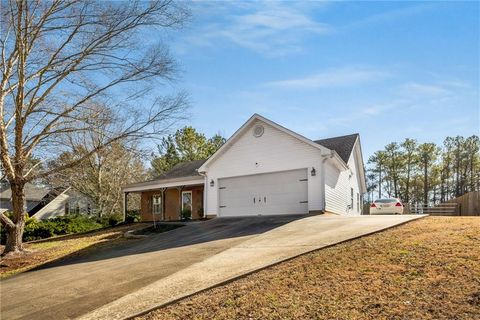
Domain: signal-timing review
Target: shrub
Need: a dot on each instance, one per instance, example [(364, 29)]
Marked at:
[(114, 219), (186, 214), (69, 224), (200, 213), (109, 220), (132, 216)]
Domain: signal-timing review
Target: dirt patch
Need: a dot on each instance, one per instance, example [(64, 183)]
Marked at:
[(426, 269), (48, 250)]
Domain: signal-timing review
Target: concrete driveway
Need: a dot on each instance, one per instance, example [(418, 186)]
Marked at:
[(119, 282), (80, 285)]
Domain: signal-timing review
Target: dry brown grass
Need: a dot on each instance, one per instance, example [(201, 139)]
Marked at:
[(426, 269), (39, 253)]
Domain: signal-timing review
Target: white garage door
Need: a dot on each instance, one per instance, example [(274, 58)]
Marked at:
[(264, 194)]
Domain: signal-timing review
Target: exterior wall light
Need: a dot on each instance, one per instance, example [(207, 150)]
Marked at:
[(212, 183), (313, 172)]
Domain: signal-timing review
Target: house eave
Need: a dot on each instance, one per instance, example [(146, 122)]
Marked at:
[(163, 183)]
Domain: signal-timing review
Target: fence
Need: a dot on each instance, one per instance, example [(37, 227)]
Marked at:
[(442, 209), (468, 204)]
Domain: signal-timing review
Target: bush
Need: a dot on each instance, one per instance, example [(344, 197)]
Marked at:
[(186, 214), (57, 226), (114, 219), (110, 220), (69, 224), (132, 216)]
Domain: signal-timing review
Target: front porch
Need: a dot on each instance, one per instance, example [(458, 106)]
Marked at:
[(169, 201)]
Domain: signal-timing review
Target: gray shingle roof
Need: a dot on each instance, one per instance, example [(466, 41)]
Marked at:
[(184, 169), (343, 145), (32, 192)]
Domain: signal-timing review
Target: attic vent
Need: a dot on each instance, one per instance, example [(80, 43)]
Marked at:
[(258, 131)]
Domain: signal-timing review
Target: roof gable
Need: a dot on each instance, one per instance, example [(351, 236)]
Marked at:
[(343, 145), (247, 124)]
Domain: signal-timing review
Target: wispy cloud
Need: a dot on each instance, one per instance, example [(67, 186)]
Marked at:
[(419, 89), (371, 111), (345, 76), (391, 15), (271, 28)]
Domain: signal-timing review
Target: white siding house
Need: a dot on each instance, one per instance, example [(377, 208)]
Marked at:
[(261, 146), (339, 185), (263, 169)]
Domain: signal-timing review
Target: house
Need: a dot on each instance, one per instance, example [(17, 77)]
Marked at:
[(46, 202), (33, 193), (263, 169)]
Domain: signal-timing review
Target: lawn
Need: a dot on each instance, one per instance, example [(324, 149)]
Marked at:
[(53, 249), (426, 269)]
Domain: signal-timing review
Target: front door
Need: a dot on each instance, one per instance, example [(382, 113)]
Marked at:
[(186, 204)]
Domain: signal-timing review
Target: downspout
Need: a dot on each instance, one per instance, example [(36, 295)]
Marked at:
[(205, 188), (325, 157)]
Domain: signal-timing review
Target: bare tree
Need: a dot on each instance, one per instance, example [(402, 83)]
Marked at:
[(68, 66), (101, 176)]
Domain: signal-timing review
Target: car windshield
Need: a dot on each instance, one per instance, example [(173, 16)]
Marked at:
[(386, 200)]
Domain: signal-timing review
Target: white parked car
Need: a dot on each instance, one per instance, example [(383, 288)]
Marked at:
[(386, 206)]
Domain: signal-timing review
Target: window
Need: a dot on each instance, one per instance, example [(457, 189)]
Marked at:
[(157, 204), (351, 198), (73, 208)]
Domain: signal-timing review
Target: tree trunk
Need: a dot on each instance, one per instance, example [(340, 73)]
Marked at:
[(425, 183), (407, 185), (14, 235), (457, 174), (442, 187), (472, 174), (395, 186), (380, 183)]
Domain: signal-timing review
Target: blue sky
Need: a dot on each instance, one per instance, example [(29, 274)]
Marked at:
[(387, 70)]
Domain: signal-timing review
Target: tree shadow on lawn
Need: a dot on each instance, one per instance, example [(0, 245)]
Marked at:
[(191, 234), (43, 252), (92, 233)]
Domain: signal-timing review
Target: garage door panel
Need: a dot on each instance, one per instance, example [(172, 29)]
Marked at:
[(272, 193)]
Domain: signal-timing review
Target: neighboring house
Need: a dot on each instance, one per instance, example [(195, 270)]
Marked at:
[(34, 194), (44, 202), (263, 169)]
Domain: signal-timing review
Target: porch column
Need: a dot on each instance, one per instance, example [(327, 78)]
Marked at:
[(162, 194), (125, 204), (180, 189)]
